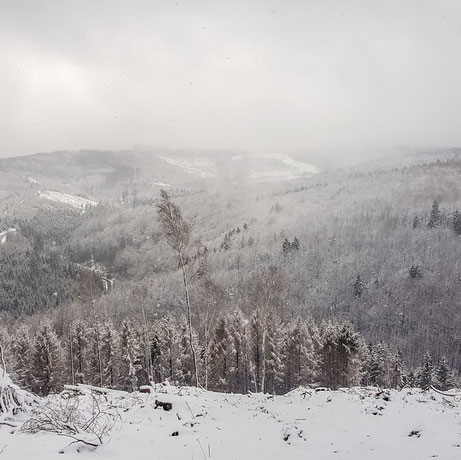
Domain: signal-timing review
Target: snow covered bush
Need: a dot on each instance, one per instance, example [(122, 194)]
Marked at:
[(13, 400), (85, 416)]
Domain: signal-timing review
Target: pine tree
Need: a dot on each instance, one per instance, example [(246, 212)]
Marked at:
[(238, 353), (78, 343), (220, 348), (398, 371), (416, 223), (359, 287), (286, 246), (341, 355), (128, 352), (165, 349), (377, 368), (46, 360), (425, 377), (257, 338), (156, 350), (300, 354), (457, 222), (273, 378), (94, 373), (434, 219), (6, 355), (227, 242), (410, 380), (184, 360), (22, 349), (415, 272), (109, 345), (443, 376)]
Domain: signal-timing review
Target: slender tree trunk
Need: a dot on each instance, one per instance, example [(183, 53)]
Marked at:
[(72, 371), (189, 317), (147, 344), (263, 360), (206, 358), (98, 345)]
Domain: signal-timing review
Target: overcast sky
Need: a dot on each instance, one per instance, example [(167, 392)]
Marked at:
[(262, 76)]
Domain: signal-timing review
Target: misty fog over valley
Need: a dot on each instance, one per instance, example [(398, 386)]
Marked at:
[(230, 231)]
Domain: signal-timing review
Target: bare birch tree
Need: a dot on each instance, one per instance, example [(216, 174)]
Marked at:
[(178, 233)]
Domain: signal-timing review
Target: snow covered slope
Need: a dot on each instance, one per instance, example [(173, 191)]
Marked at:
[(273, 167), (4, 235), (353, 424), (202, 167), (65, 198)]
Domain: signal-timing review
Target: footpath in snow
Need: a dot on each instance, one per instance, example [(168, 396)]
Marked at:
[(352, 424)]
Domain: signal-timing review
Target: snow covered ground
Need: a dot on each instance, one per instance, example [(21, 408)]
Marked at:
[(65, 198), (275, 167), (353, 424), (201, 167), (4, 235)]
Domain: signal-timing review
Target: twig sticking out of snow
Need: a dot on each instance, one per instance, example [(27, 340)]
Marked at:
[(65, 417)]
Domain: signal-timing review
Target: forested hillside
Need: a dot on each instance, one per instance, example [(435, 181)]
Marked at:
[(355, 269)]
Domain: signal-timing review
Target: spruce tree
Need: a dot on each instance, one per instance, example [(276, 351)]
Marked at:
[(155, 346), (6, 355), (109, 345), (21, 346), (341, 355), (377, 369), (286, 246), (94, 374), (457, 222), (435, 216), (443, 376), (416, 223), (128, 352), (410, 380), (238, 355), (398, 371), (425, 377), (300, 354), (46, 366), (165, 349), (273, 370), (359, 287), (257, 338), (220, 353), (184, 360), (415, 272), (78, 350)]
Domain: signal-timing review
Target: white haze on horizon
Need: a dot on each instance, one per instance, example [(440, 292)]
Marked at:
[(257, 76)]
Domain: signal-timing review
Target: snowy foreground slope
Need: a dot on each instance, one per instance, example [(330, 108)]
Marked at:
[(351, 424)]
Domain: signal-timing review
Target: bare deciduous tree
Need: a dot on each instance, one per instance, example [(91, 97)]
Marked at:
[(177, 233)]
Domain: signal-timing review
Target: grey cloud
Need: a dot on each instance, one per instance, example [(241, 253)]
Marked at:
[(263, 76)]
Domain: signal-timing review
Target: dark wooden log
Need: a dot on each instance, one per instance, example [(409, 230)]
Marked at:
[(164, 405)]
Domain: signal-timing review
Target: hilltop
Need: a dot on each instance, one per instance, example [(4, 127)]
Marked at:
[(351, 424)]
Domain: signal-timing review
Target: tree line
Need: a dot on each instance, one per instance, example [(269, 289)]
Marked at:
[(259, 353)]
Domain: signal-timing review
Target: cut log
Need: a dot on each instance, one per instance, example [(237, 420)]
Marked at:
[(164, 405)]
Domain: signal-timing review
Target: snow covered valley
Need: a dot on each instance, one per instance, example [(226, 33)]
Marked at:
[(353, 424)]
